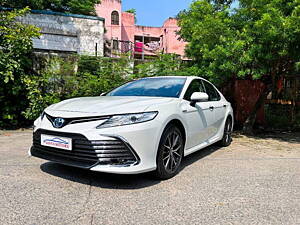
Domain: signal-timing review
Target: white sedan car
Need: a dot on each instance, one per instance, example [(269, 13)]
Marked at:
[(145, 125)]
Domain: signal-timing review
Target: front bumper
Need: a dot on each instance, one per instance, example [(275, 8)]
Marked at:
[(122, 150)]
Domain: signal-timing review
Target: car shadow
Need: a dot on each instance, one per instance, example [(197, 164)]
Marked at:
[(116, 181), (194, 157), (98, 179)]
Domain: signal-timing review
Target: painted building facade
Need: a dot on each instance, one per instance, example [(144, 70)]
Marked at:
[(123, 35), (67, 33)]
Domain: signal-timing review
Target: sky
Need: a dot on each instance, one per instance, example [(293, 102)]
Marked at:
[(155, 12)]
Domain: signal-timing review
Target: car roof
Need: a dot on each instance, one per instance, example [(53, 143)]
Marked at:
[(186, 77)]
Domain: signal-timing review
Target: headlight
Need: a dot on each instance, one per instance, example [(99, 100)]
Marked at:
[(127, 119)]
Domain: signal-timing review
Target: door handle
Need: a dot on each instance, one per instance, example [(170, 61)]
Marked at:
[(211, 108)]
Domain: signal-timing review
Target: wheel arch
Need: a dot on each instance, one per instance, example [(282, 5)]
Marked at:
[(230, 115), (179, 125)]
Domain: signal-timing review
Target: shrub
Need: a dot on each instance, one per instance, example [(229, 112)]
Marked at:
[(58, 81), (283, 117), (165, 65), (15, 45)]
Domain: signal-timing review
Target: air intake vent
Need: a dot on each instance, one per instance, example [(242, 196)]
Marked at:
[(85, 153)]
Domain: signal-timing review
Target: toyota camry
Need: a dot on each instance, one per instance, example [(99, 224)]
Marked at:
[(144, 125)]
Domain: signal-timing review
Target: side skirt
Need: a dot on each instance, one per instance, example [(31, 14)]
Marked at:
[(206, 143)]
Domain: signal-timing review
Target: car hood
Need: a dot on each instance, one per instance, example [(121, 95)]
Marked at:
[(104, 105)]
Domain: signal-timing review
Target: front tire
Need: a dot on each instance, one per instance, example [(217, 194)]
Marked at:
[(227, 136), (170, 153)]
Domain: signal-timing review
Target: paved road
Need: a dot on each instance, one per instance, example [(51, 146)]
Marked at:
[(254, 181)]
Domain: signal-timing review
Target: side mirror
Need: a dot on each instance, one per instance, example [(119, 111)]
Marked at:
[(198, 97), (103, 93)]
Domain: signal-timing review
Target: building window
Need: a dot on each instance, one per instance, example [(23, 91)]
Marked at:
[(115, 18), (115, 45)]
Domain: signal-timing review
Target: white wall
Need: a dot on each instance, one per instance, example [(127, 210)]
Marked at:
[(67, 33)]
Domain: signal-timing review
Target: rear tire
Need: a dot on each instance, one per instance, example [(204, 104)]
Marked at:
[(227, 136), (170, 153)]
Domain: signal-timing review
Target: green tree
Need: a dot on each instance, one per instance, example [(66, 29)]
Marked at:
[(15, 44), (258, 40), (165, 65), (85, 7)]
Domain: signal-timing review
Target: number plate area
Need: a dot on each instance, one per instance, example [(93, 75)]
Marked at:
[(56, 142)]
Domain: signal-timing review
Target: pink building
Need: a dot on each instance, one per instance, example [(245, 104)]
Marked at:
[(123, 35)]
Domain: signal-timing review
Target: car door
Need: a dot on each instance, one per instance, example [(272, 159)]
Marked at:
[(217, 106), (199, 119)]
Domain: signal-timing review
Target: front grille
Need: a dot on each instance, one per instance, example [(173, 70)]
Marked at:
[(68, 121), (85, 153)]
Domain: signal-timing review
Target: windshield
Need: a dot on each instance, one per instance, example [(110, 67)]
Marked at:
[(152, 87)]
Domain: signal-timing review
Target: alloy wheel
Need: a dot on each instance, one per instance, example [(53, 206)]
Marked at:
[(172, 151), (228, 131)]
